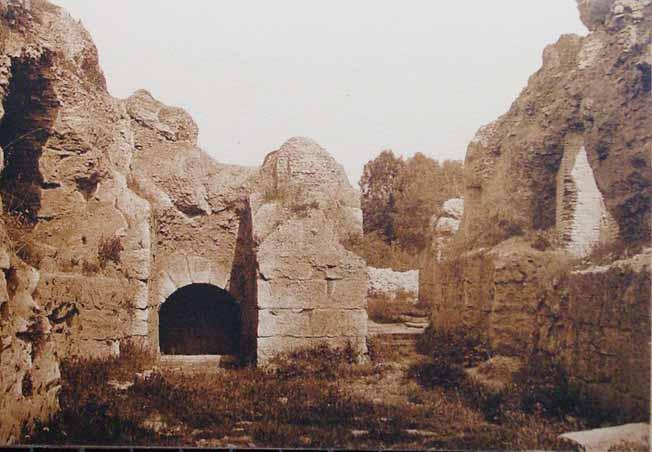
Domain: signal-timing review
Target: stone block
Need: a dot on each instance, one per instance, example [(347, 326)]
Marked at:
[(312, 323), (136, 263), (177, 269)]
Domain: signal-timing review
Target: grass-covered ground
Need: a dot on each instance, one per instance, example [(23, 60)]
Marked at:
[(316, 398), (383, 309)]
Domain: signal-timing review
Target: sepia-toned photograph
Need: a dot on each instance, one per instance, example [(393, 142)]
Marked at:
[(343, 225)]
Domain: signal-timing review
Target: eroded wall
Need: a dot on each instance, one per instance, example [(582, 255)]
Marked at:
[(565, 170), (310, 289), (200, 225), (597, 322), (594, 320), (29, 360), (591, 92), (120, 208)]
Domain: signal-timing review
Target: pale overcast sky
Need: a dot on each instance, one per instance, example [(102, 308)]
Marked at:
[(356, 76)]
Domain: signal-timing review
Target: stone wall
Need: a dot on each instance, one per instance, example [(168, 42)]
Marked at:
[(566, 169), (594, 320), (199, 210), (310, 289), (443, 228), (388, 283), (114, 207), (591, 93), (67, 147), (29, 367), (583, 220), (42, 182)]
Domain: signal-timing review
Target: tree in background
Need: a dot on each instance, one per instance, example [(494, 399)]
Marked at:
[(422, 188), (399, 198), (378, 187)]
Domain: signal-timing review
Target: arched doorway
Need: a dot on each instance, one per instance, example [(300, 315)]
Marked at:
[(200, 319)]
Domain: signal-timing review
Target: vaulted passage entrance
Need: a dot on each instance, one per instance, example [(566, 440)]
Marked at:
[(200, 319)]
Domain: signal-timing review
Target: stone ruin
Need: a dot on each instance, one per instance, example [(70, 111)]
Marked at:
[(444, 226), (559, 180), (391, 284), (582, 220), (117, 229)]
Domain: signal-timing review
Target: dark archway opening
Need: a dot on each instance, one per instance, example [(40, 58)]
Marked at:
[(200, 319)]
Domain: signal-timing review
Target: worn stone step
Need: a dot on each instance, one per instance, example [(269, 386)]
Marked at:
[(197, 362)]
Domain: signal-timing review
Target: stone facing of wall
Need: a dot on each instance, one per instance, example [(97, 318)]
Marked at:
[(390, 283), (29, 374), (310, 289), (583, 220), (443, 228), (595, 321), (131, 170), (93, 314)]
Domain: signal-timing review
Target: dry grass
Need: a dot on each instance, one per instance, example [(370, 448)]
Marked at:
[(539, 401), (290, 199), (304, 399), (90, 268), (109, 250), (494, 229), (379, 254), (19, 229), (276, 194), (607, 252), (383, 309), (303, 209)]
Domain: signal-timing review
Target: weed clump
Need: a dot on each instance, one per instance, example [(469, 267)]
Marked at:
[(455, 346), (379, 253), (322, 362), (494, 229), (384, 309), (90, 268), (449, 353), (109, 250), (291, 199)]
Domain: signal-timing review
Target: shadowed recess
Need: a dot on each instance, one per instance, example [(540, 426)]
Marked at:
[(30, 110), (200, 319)]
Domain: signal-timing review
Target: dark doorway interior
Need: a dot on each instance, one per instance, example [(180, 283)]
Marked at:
[(30, 109), (200, 319)]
